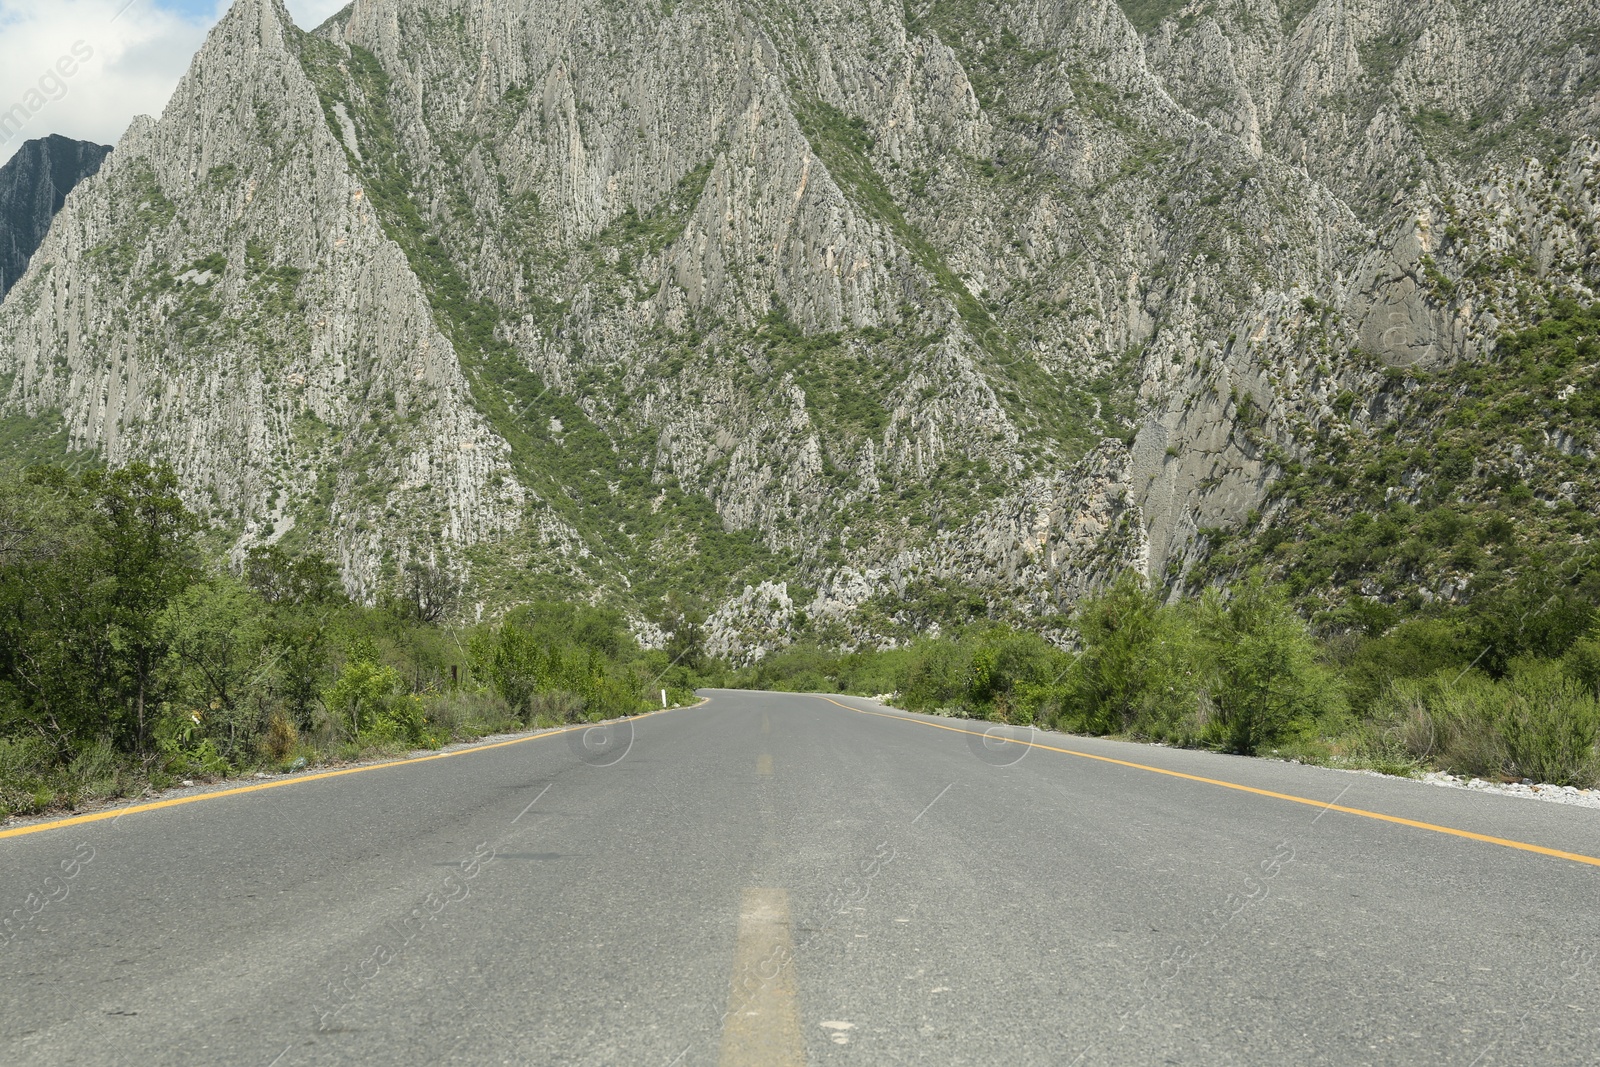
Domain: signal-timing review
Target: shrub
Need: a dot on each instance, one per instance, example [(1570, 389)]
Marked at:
[(554, 708), (930, 677), (1010, 674), (1114, 682), (1549, 724), (1538, 723), (468, 713), (217, 656), (99, 772), (1416, 648), (512, 660), (362, 695), (281, 738), (1207, 673), (1267, 682), (400, 721), (185, 749), (26, 765), (1447, 719), (994, 673), (1582, 662)]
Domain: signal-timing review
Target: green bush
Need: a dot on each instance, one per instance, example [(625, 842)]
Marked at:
[(98, 771), (1009, 674), (1239, 672), (27, 767), (88, 566), (1549, 723), (1414, 648), (1268, 683), (578, 652), (401, 722), (934, 675), (554, 708), (1137, 670), (1538, 723), (185, 749), (989, 672), (512, 661), (362, 695), (468, 713), (217, 658)]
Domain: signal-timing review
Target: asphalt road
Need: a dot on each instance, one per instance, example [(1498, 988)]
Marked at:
[(774, 879)]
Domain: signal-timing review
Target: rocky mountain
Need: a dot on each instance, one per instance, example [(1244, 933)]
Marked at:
[(34, 185), (803, 309)]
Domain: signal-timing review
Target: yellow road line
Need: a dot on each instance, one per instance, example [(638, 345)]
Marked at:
[(764, 764), (1575, 857), (766, 723), (156, 805), (762, 1025)]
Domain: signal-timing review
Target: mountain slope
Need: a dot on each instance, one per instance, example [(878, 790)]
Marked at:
[(221, 295), (830, 302)]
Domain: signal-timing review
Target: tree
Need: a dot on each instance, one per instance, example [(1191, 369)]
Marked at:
[(685, 623), (1009, 673), (363, 694), (933, 675), (1119, 631), (1267, 680), (51, 651), (1549, 605), (147, 556), (304, 593), (427, 591), (303, 580), (300, 637), (221, 659), (513, 661), (90, 563)]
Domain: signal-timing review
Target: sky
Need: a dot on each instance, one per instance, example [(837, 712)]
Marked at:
[(124, 59)]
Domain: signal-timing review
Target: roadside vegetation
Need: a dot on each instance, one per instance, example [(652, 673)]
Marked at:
[(1503, 692), (130, 661), (1472, 484)]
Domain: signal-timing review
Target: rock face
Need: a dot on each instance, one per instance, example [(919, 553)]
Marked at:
[(34, 185), (836, 299), (222, 295)]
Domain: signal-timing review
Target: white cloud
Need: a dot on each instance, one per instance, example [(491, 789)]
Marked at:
[(134, 62)]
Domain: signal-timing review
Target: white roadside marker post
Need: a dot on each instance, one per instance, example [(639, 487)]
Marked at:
[(663, 698)]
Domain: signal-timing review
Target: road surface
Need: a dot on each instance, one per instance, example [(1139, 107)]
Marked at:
[(775, 880)]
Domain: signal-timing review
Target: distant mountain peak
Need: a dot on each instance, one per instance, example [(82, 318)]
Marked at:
[(34, 185)]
